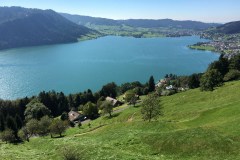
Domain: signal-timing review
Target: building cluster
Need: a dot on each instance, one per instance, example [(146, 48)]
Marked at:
[(227, 44)]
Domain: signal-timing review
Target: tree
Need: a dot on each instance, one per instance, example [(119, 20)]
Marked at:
[(36, 110), (210, 80), (78, 100), (2, 122), (58, 127), (107, 108), (71, 104), (32, 127), (43, 125), (90, 110), (90, 96), (64, 116), (151, 84), (18, 121), (130, 97), (62, 104), (221, 65), (194, 81), (109, 89), (151, 108), (134, 100), (11, 124), (24, 134), (8, 136)]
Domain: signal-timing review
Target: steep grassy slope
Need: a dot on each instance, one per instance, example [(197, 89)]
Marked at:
[(195, 125)]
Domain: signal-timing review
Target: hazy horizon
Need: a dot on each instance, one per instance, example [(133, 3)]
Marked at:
[(214, 11)]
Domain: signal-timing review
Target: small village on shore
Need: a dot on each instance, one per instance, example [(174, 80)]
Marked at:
[(227, 44)]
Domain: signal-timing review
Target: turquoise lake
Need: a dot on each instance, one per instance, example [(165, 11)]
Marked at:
[(90, 64)]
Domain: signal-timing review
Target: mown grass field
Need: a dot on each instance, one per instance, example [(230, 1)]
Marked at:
[(195, 125), (205, 48)]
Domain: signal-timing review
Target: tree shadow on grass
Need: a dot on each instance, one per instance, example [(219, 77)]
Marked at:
[(113, 116), (137, 106), (56, 137)]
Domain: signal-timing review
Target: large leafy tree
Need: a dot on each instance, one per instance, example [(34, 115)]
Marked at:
[(109, 89), (43, 126), (107, 108), (90, 110), (36, 110), (194, 81), (58, 127), (151, 108), (32, 127), (211, 79), (131, 97)]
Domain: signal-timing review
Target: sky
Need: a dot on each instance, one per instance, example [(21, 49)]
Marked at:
[(220, 11)]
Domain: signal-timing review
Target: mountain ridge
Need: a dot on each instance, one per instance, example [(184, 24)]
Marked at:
[(229, 28), (20, 27), (145, 23)]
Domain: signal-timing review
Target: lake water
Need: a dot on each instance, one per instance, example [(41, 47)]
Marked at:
[(90, 64)]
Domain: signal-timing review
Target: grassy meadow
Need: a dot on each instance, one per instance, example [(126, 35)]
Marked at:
[(205, 48), (195, 125)]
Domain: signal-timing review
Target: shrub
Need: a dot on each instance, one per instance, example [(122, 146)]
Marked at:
[(71, 153), (7, 136)]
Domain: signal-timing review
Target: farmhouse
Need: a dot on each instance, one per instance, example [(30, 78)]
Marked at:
[(75, 116), (114, 102)]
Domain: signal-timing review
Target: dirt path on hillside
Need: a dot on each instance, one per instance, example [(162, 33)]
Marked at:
[(90, 131)]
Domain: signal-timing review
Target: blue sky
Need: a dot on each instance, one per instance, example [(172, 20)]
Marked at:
[(201, 10)]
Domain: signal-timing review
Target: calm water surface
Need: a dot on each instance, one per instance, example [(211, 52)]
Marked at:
[(90, 64)]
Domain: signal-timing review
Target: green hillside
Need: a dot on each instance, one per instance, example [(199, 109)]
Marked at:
[(21, 27), (229, 28), (195, 125)]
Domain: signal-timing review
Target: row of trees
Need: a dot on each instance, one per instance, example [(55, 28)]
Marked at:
[(34, 127), (36, 122)]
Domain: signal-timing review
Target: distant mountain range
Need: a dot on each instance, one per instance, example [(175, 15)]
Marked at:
[(29, 27), (145, 23), (21, 27)]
